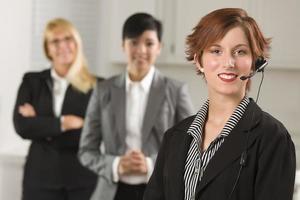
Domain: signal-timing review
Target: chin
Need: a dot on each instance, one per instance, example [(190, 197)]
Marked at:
[(67, 61), (230, 92), (142, 66)]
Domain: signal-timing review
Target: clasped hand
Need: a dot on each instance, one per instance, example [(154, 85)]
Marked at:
[(133, 162)]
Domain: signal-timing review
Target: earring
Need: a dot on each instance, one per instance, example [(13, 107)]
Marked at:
[(201, 69)]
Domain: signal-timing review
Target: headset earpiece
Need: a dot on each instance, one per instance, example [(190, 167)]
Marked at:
[(260, 64)]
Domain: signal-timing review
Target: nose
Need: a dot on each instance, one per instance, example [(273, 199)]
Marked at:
[(229, 61), (63, 43), (141, 48)]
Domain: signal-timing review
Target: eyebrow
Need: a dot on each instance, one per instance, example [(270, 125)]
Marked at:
[(239, 45), (242, 45)]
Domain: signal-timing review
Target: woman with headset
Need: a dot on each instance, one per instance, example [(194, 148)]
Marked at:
[(230, 149)]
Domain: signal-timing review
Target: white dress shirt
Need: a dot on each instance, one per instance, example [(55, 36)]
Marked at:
[(136, 102), (60, 85)]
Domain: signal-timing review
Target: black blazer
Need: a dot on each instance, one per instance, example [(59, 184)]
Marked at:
[(52, 157), (268, 174)]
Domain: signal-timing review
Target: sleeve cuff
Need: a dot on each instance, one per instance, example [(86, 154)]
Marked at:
[(61, 124), (150, 167), (115, 169)]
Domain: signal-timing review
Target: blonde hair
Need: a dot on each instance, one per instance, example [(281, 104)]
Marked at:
[(78, 74)]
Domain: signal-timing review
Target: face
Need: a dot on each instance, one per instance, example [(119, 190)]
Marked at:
[(61, 48), (225, 61), (142, 51)]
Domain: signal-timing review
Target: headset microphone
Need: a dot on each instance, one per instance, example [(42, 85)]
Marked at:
[(249, 76), (260, 65)]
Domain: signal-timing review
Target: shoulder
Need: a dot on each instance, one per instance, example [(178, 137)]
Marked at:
[(36, 78), (263, 124), (103, 89), (273, 140), (110, 82), (172, 86), (271, 133), (181, 126), (177, 134), (36, 75), (272, 127), (171, 83)]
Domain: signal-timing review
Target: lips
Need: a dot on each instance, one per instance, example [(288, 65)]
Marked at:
[(141, 58), (227, 77)]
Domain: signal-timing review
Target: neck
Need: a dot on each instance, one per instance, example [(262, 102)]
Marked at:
[(221, 108), (61, 70), (137, 74)]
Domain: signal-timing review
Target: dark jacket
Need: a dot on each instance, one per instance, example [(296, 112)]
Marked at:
[(52, 158), (269, 170)]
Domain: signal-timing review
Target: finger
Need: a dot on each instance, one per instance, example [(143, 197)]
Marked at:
[(137, 162), (139, 169), (136, 151), (28, 106), (138, 156), (21, 110)]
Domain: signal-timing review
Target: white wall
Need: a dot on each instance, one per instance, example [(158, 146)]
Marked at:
[(15, 48), (15, 60)]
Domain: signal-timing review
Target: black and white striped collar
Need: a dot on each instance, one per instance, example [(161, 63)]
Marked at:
[(196, 128)]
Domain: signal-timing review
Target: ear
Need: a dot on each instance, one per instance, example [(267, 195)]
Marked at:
[(198, 65)]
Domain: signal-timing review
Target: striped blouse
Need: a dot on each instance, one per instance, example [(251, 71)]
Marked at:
[(197, 161)]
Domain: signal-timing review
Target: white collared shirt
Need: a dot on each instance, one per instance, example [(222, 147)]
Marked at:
[(60, 85), (136, 101), (137, 94)]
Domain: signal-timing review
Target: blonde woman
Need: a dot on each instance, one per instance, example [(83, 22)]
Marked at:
[(49, 111)]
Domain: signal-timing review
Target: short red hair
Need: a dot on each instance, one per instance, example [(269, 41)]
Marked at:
[(214, 26)]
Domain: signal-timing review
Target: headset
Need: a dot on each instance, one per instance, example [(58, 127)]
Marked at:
[(260, 65)]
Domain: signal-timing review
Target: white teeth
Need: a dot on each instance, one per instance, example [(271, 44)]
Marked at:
[(227, 76)]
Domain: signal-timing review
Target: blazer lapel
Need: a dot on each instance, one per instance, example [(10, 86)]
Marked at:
[(46, 76), (155, 99), (233, 146), (47, 80), (177, 159), (118, 106)]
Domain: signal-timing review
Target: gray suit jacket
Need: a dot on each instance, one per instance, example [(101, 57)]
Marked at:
[(103, 135)]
